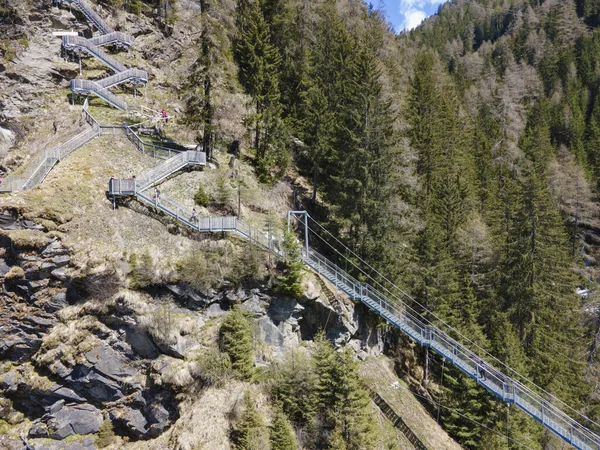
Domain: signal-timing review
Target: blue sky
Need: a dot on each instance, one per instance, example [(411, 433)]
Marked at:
[(407, 14)]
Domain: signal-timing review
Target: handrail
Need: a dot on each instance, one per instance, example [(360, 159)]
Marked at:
[(71, 42), (140, 76), (427, 334), (89, 12), (168, 167), (91, 87), (157, 150), (410, 322), (111, 38)]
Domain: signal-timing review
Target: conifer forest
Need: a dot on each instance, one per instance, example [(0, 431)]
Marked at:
[(461, 159)]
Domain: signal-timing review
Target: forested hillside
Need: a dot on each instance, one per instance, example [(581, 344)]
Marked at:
[(461, 159)]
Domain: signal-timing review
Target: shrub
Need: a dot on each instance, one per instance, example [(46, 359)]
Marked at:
[(193, 270), (250, 432), (99, 285), (141, 271), (201, 197), (106, 435), (214, 367), (246, 265)]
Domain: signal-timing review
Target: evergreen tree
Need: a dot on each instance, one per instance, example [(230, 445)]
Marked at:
[(260, 63), (250, 431), (236, 340), (294, 387), (282, 434), (342, 399), (539, 281), (291, 282)]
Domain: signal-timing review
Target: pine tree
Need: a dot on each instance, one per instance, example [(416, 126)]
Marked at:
[(343, 401), (282, 434), (539, 281), (236, 340), (592, 138)]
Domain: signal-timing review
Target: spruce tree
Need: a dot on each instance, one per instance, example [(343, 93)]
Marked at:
[(236, 340), (291, 282), (281, 433), (260, 63), (250, 431), (294, 387)]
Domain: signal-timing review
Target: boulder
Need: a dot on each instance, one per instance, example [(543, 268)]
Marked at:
[(84, 378), (66, 420), (58, 302), (189, 297), (135, 421), (109, 363), (4, 268), (38, 430), (55, 248), (59, 274), (61, 260)]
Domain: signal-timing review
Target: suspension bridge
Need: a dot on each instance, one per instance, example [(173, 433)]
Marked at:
[(386, 300)]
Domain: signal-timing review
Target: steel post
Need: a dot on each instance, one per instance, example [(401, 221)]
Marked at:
[(306, 232)]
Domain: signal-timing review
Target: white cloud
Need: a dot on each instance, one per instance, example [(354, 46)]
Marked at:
[(414, 11), (413, 19)]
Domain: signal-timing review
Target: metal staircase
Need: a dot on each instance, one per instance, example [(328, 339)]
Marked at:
[(397, 420), (543, 407), (92, 48), (89, 13), (44, 161)]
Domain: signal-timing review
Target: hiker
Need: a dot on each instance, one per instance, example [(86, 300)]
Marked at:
[(165, 115), (55, 126), (194, 218), (156, 194), (481, 370)]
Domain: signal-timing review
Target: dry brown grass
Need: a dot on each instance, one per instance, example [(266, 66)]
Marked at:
[(378, 374)]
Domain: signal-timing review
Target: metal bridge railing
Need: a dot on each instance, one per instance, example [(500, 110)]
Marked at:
[(90, 14), (41, 164), (168, 167), (156, 151)]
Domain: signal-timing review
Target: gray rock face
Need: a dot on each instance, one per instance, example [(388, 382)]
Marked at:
[(190, 298), (63, 421), (55, 248), (135, 422)]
